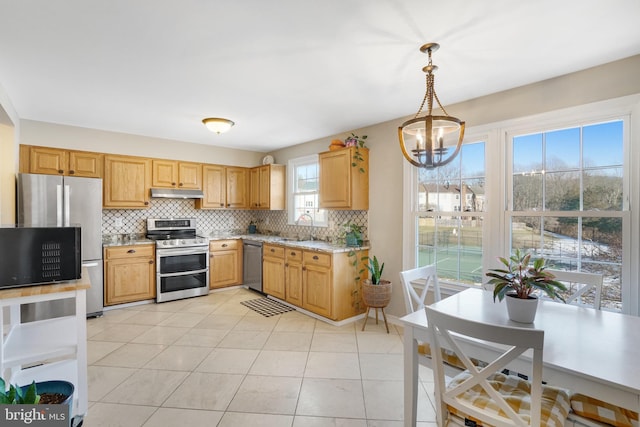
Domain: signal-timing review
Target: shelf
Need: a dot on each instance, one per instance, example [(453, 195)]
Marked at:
[(41, 341)]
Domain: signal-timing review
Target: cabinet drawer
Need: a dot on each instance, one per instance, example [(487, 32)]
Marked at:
[(223, 245), (130, 251), (293, 254), (317, 258), (273, 251)]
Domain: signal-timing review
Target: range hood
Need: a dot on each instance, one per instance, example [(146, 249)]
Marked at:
[(176, 193)]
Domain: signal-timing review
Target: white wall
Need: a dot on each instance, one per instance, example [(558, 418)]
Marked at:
[(8, 158), (73, 137)]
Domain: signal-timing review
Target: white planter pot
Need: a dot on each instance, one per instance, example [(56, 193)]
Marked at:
[(521, 310)]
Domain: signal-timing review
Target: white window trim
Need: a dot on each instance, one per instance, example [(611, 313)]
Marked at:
[(496, 143), (291, 165)]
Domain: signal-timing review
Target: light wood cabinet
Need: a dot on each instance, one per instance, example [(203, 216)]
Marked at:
[(224, 187), (268, 187), (342, 185), (323, 283), (225, 263), (127, 181), (273, 275), (173, 174), (57, 161), (293, 276), (129, 274)]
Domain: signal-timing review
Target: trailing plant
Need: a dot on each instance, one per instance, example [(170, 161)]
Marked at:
[(523, 278), (358, 142), (15, 395), (374, 267), (351, 231)]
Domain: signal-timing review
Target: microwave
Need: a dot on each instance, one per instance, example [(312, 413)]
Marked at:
[(38, 255)]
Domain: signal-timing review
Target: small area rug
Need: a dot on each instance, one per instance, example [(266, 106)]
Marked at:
[(266, 306)]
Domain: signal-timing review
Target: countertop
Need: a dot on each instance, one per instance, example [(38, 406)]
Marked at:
[(314, 245)]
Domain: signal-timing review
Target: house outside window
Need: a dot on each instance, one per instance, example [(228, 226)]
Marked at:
[(302, 192)]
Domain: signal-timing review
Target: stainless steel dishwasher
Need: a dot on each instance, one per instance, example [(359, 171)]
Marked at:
[(252, 264)]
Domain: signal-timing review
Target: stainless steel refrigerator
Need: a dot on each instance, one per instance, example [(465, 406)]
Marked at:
[(51, 200)]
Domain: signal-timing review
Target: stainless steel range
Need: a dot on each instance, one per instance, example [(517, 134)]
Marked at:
[(182, 258)]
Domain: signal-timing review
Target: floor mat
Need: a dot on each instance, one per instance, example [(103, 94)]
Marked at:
[(266, 306)]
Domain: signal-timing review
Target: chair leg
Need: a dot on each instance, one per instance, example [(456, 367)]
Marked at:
[(385, 319), (366, 317)]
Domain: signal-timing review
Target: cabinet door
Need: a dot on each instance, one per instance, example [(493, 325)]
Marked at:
[(165, 174), (317, 290), (293, 276), (126, 182), (254, 188), (189, 175), (273, 277), (237, 188), (264, 183), (214, 187), (224, 269), (128, 280), (335, 179), (86, 164), (50, 161)]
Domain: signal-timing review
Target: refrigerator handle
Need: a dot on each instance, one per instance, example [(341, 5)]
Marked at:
[(90, 264), (67, 211), (58, 205)]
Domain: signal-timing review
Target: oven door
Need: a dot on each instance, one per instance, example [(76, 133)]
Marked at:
[(182, 273)]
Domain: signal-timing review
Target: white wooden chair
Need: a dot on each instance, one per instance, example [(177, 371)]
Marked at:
[(484, 394), (585, 284)]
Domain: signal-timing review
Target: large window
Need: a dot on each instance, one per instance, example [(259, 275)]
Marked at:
[(303, 192), (557, 185), (449, 215), (567, 200)]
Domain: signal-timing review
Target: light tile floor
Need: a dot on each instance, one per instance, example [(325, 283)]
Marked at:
[(210, 361)]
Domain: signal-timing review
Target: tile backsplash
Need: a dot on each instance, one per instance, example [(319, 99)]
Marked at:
[(269, 222)]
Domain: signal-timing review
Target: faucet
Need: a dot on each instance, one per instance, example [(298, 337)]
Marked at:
[(310, 218)]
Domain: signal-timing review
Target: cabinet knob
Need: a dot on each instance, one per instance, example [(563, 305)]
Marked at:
[(60, 171), (273, 250), (173, 184), (224, 245), (286, 264), (315, 257), (304, 268), (146, 203), (72, 172), (131, 251), (150, 261), (222, 205), (180, 185), (210, 255), (293, 253)]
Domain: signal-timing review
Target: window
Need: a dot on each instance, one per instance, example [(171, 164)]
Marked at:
[(567, 200), (449, 216), (303, 192), (555, 184)]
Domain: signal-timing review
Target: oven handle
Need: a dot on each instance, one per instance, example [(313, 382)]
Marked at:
[(183, 273), (181, 251)]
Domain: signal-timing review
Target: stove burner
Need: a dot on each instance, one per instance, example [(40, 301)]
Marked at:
[(174, 233)]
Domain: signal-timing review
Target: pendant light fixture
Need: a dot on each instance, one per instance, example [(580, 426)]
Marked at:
[(217, 125), (431, 141)]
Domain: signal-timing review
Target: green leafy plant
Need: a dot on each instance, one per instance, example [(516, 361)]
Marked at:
[(356, 141), (523, 277), (375, 268), (351, 232), (15, 395)]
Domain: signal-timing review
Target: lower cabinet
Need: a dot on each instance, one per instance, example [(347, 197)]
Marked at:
[(129, 274), (273, 271), (225, 263), (323, 283)]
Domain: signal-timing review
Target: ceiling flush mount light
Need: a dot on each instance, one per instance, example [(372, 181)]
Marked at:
[(217, 125), (431, 141)]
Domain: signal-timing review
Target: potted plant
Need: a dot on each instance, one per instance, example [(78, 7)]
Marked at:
[(41, 393), (358, 142), (376, 292), (352, 234), (519, 281)]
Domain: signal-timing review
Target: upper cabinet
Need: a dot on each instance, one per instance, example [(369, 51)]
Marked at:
[(57, 161), (342, 185), (127, 180), (268, 187), (224, 187), (172, 174)]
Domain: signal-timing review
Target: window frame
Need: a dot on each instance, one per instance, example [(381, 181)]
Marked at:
[(292, 166)]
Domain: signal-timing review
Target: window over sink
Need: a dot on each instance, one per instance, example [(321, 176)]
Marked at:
[(302, 191)]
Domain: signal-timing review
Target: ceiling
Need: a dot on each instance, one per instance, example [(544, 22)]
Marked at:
[(286, 71)]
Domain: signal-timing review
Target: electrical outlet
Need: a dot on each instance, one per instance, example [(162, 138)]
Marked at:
[(119, 222)]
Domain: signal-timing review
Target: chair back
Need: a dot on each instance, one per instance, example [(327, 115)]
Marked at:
[(584, 283), (428, 277), (450, 331)]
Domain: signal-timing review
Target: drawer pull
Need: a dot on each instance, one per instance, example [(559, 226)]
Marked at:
[(316, 257), (293, 254), (224, 245), (273, 250), (131, 251)]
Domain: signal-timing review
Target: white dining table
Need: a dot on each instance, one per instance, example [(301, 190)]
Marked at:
[(593, 352)]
